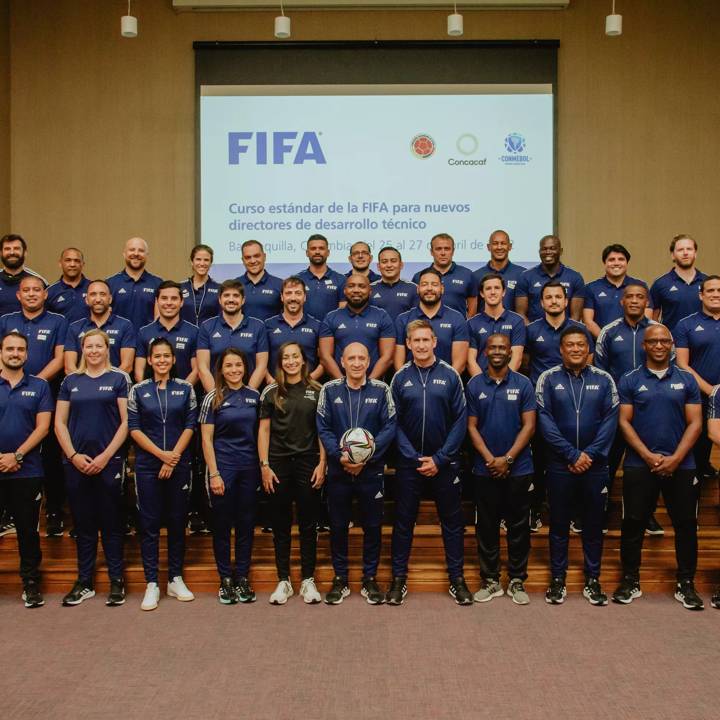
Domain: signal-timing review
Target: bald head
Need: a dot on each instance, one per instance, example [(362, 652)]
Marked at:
[(355, 361)]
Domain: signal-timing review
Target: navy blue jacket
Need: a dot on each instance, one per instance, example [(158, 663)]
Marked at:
[(619, 347), (199, 305)]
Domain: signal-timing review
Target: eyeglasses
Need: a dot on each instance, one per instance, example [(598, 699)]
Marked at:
[(662, 341)]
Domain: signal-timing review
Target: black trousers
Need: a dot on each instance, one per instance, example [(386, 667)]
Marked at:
[(540, 461), (508, 498), (640, 493), (22, 498), (294, 473), (54, 482)]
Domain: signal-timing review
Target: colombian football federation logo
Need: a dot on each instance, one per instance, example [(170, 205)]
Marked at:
[(422, 146)]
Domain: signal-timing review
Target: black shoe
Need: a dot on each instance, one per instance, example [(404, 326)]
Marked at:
[(593, 593), (244, 591), (686, 594), (116, 596), (129, 528), (576, 526), (371, 591), (654, 527), (323, 527), (32, 596), (266, 529), (81, 591), (227, 594), (197, 525), (459, 590), (715, 599), (54, 525), (397, 592), (7, 526), (627, 591), (535, 521), (72, 532), (555, 594), (338, 592)]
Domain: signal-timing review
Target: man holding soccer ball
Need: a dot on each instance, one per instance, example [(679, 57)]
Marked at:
[(355, 465)]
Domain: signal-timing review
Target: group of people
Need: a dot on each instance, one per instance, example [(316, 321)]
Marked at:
[(541, 383)]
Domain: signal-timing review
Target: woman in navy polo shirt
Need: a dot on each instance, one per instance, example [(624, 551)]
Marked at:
[(162, 414), (199, 291), (91, 427), (229, 422)]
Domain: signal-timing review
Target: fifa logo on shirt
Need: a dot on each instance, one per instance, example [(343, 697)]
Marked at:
[(677, 386), (371, 401), (592, 387), (245, 335), (177, 392), (105, 388), (436, 381), (28, 393), (307, 330)]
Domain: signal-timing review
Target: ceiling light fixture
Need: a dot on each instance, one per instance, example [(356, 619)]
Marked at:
[(128, 24), (613, 23), (282, 24)]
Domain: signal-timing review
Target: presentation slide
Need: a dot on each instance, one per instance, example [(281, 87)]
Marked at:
[(389, 165)]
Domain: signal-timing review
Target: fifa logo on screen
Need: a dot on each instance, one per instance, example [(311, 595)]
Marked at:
[(276, 148)]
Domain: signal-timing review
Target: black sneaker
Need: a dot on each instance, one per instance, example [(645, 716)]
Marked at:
[(686, 594), (323, 527), (267, 530), (371, 591), (459, 590), (627, 591), (227, 594), (593, 593), (197, 525), (116, 596), (72, 532), (32, 596), (535, 521), (397, 592), (576, 526), (244, 591), (654, 528), (338, 592), (54, 526), (7, 527), (555, 594), (715, 599), (80, 592)]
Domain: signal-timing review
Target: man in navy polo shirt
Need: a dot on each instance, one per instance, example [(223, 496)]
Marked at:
[(13, 250), (431, 417), (119, 330), (390, 293), (262, 290), (460, 285), (494, 318), (449, 326), (323, 286), (293, 324), (133, 289), (232, 328), (181, 334), (713, 421), (676, 294), (659, 458), (501, 421), (499, 246), (67, 295), (359, 322), (577, 413), (529, 287), (360, 258), (26, 407), (602, 296)]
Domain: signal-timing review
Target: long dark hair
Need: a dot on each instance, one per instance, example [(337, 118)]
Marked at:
[(281, 378), (221, 386), (157, 342)]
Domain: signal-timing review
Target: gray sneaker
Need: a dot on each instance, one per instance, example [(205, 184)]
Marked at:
[(489, 590), (516, 590)]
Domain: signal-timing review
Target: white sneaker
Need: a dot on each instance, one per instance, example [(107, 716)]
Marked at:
[(282, 592), (152, 597), (308, 592), (178, 589)]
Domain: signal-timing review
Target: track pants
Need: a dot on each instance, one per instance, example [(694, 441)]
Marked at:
[(54, 482), (22, 498)]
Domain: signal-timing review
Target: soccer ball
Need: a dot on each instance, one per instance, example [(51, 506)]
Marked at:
[(357, 445)]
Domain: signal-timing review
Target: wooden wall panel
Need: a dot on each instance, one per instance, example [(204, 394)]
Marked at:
[(4, 116)]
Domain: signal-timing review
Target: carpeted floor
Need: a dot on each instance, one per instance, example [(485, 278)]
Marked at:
[(427, 659)]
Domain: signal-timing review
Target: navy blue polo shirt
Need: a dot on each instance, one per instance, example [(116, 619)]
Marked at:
[(619, 347), (67, 300), (236, 424), (119, 331), (199, 305), (604, 297), (449, 326), (372, 276), (459, 284), (19, 407), (543, 345), (44, 333), (498, 407), (368, 327), (94, 415), (482, 326), (700, 334), (510, 273), (249, 336), (9, 287), (393, 299), (323, 294), (305, 333), (134, 299), (651, 399), (531, 283), (182, 336), (262, 299), (163, 414), (676, 298)]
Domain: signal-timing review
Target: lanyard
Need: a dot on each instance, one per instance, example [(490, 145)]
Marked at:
[(357, 414), (197, 309)]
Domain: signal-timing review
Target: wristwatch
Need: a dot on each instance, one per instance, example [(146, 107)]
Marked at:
[(264, 463), (509, 459), (19, 457)]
